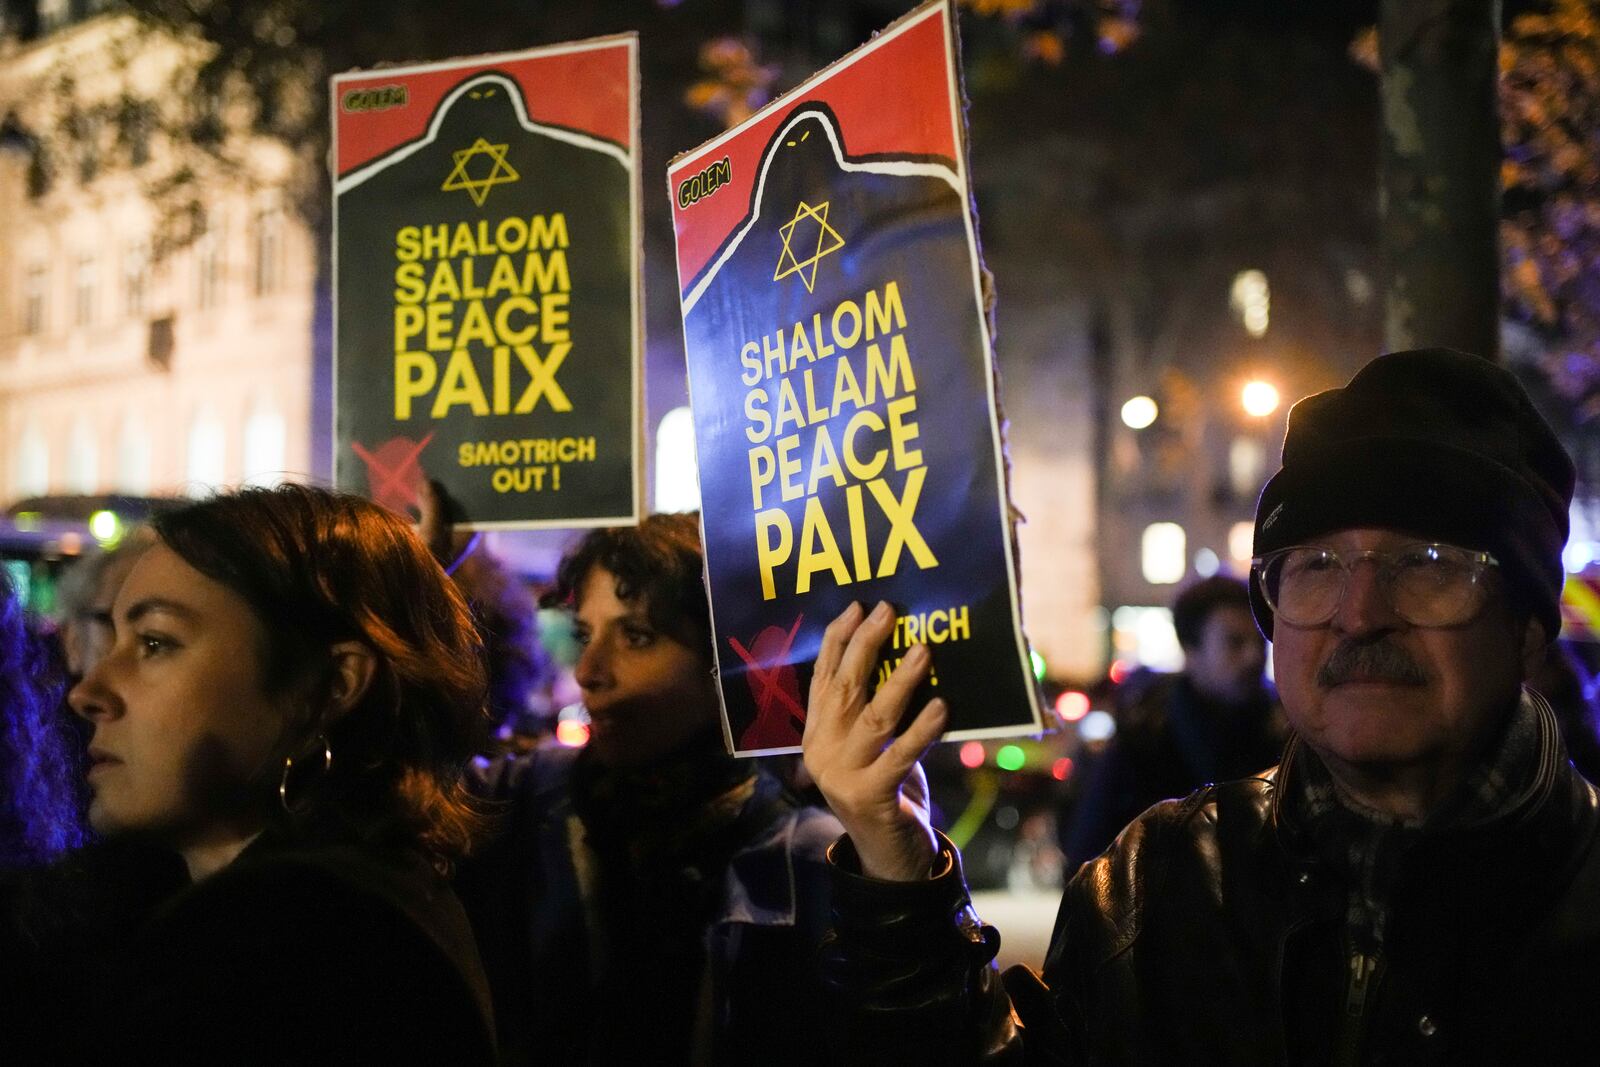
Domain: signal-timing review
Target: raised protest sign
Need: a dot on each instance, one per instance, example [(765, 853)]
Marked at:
[(486, 284), (843, 391)]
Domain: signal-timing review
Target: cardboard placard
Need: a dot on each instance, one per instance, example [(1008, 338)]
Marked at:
[(842, 386), (488, 320)]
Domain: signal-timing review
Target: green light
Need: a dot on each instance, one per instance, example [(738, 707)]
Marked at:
[(27, 521), (1010, 758), (1038, 664), (105, 526)]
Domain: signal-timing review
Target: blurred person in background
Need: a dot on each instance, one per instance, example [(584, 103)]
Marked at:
[(85, 595), (286, 707), (42, 827), (1215, 720), (1563, 680), (506, 615), (40, 817), (649, 899)]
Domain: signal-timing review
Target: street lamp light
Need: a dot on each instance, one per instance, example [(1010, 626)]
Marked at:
[(1139, 412), (1259, 398)]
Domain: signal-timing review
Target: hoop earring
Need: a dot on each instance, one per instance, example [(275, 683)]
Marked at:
[(288, 765)]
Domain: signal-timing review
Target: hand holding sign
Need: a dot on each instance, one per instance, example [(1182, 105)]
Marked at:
[(872, 780)]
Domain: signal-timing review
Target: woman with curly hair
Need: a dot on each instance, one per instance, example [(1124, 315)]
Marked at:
[(650, 898), (291, 694)]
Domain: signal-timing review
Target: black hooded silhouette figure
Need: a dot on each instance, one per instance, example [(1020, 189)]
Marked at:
[(485, 166)]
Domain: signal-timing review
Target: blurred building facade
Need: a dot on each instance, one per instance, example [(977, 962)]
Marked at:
[(1121, 196), (143, 350), (1177, 495)]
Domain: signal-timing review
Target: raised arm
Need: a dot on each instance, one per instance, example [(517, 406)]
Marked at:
[(908, 962), (871, 778)]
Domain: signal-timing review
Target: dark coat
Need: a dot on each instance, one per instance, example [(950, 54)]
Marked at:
[(64, 938), (580, 950), (305, 956), (1211, 934)]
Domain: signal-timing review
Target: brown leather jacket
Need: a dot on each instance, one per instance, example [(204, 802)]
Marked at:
[(1209, 933)]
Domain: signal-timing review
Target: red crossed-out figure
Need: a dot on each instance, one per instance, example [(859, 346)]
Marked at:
[(775, 687), (394, 474)]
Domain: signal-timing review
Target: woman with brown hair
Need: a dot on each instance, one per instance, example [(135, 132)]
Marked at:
[(649, 898), (291, 695)]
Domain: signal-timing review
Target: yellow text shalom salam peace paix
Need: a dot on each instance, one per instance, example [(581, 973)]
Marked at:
[(475, 291), (791, 361)]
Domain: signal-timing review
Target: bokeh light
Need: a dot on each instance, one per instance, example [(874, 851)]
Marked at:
[(1072, 705), (1139, 412), (572, 733), (1259, 398), (1097, 726)]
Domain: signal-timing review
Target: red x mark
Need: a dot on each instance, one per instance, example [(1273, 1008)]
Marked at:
[(393, 473), (775, 687)]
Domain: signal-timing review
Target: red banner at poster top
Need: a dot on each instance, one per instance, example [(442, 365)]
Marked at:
[(583, 88), (902, 57)]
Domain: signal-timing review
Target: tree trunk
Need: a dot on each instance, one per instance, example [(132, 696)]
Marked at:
[(1440, 180)]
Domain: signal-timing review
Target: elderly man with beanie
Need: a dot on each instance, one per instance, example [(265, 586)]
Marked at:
[(1416, 882)]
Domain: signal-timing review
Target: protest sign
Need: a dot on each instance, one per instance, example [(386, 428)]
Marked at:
[(486, 284), (842, 386)]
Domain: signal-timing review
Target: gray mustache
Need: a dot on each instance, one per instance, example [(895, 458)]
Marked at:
[(1371, 661)]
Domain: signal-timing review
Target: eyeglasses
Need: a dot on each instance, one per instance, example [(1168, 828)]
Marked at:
[(1424, 584)]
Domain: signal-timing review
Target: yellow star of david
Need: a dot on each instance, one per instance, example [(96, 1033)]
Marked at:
[(828, 242), (501, 173)]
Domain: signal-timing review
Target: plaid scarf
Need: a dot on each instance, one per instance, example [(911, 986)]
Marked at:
[(1369, 847)]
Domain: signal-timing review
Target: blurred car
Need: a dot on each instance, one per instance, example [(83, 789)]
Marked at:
[(41, 536)]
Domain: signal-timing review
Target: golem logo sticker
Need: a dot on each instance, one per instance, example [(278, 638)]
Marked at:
[(381, 98), (696, 188)]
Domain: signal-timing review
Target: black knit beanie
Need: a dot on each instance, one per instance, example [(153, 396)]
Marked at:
[(1435, 443)]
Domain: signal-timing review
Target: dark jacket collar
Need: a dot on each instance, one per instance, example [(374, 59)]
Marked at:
[(1539, 788)]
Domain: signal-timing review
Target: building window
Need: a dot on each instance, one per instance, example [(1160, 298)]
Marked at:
[(208, 265), (677, 488), (205, 467), (85, 129), (53, 14), (1163, 553), (133, 457), (35, 290), (84, 280), (1251, 301), (83, 458), (1144, 637), (1247, 462), (1241, 540), (135, 279), (265, 436), (31, 471), (269, 252), (134, 122)]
